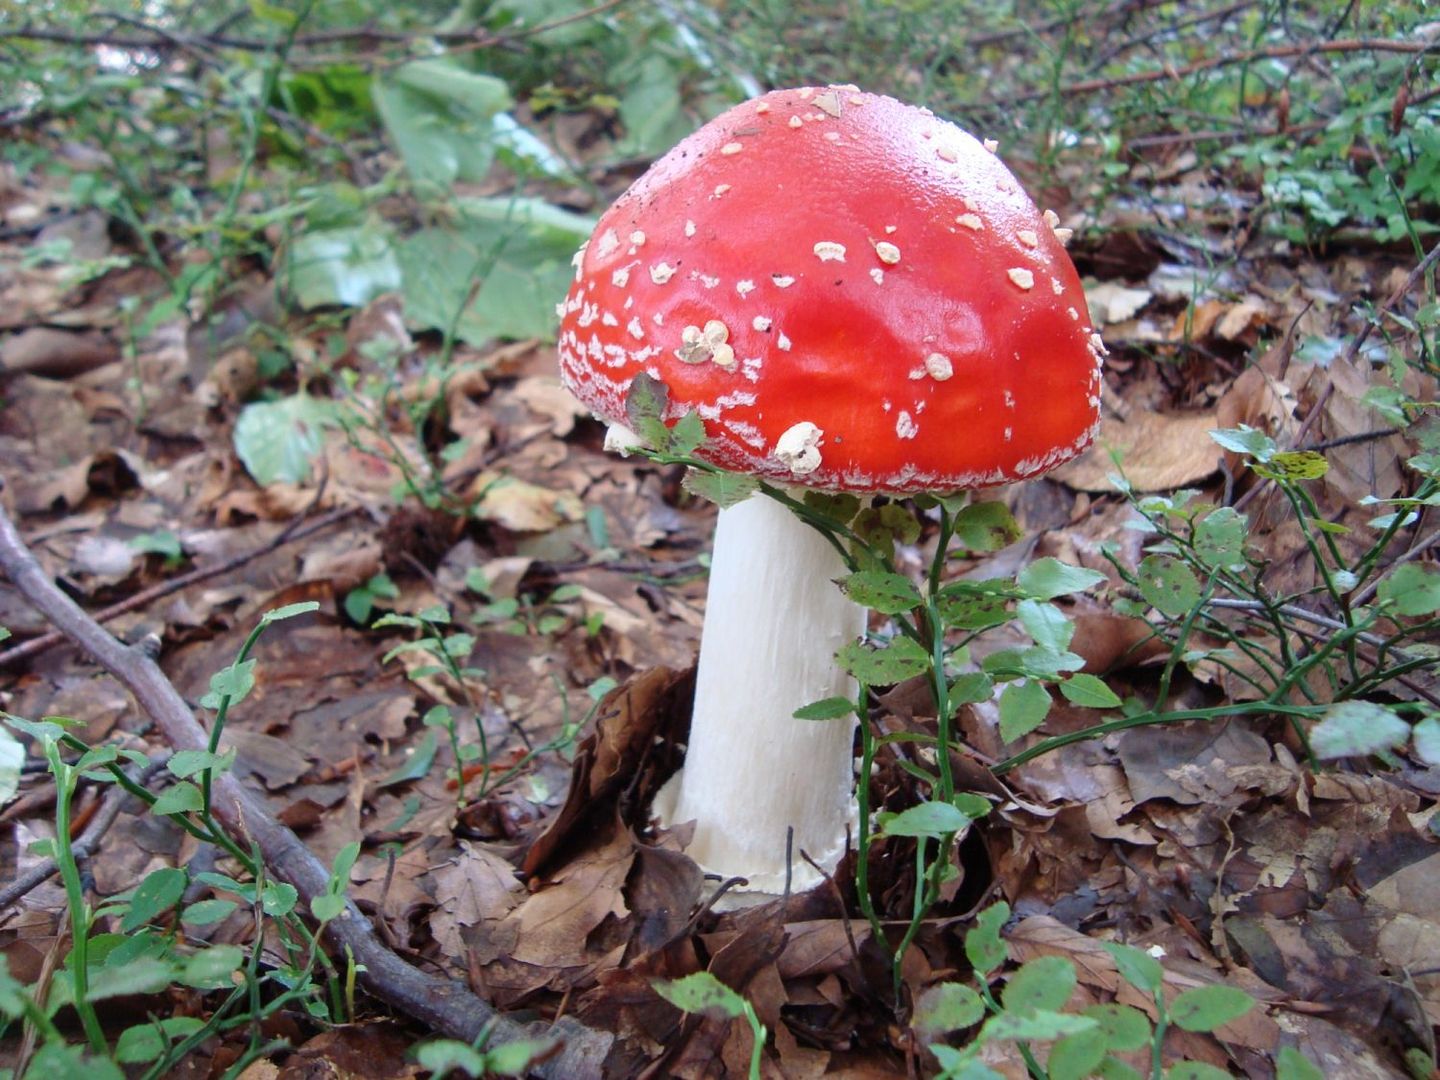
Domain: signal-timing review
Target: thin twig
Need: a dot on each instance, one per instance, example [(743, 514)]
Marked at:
[(440, 1005), (296, 530)]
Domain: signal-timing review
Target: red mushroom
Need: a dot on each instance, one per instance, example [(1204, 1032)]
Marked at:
[(853, 295)]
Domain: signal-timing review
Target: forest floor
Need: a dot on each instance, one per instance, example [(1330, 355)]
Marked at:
[(578, 580)]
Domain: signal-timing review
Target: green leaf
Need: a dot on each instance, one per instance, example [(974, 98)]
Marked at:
[(278, 898), (276, 440), (970, 688), (1077, 1056), (146, 1042), (1125, 1028), (882, 591), (1047, 578), (444, 1056), (986, 526), (687, 434), (1412, 590), (207, 912), (983, 947), (141, 975), (1089, 692), (1291, 1064), (1195, 1070), (724, 489), (497, 270), (1357, 729), (213, 968), (976, 605), (514, 1058), (934, 819), (441, 118), (1295, 465), (1034, 1026), (234, 682), (1139, 969), (701, 992), (1206, 1008), (327, 907), (646, 401), (1245, 440), (1046, 623), (158, 893), (291, 611), (831, 708), (348, 267), (899, 660), (180, 798), (1220, 539), (186, 763), (1023, 708), (417, 763), (1168, 585), (946, 1007), (1427, 740), (1043, 984)]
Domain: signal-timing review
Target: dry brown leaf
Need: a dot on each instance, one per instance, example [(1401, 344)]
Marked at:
[(1158, 452)]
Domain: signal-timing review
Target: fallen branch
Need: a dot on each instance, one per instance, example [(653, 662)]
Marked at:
[(440, 1005), (296, 530)]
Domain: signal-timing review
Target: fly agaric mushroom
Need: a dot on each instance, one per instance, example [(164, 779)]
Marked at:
[(853, 295)]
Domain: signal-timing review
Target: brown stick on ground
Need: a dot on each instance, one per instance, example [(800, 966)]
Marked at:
[(446, 1007)]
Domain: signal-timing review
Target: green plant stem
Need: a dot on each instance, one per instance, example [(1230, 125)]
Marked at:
[(221, 710), (79, 910), (862, 797), (1031, 1065)]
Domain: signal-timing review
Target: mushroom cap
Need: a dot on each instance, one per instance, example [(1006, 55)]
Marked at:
[(852, 294)]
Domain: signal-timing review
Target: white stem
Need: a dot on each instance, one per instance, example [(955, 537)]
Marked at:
[(774, 620)]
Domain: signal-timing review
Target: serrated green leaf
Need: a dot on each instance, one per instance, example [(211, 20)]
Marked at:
[(1076, 1057), (440, 116), (946, 1007), (983, 946), (1125, 1028), (882, 591), (687, 434), (986, 526), (724, 489), (831, 708), (901, 659), (1089, 692), (1412, 590), (156, 894), (1023, 708), (1168, 585), (971, 687), (180, 798), (645, 405), (1205, 1008), (1042, 984), (1046, 623), (976, 605), (1220, 539), (701, 992), (1357, 729), (1047, 578)]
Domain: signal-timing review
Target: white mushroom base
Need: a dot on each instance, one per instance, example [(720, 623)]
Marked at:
[(774, 620)]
